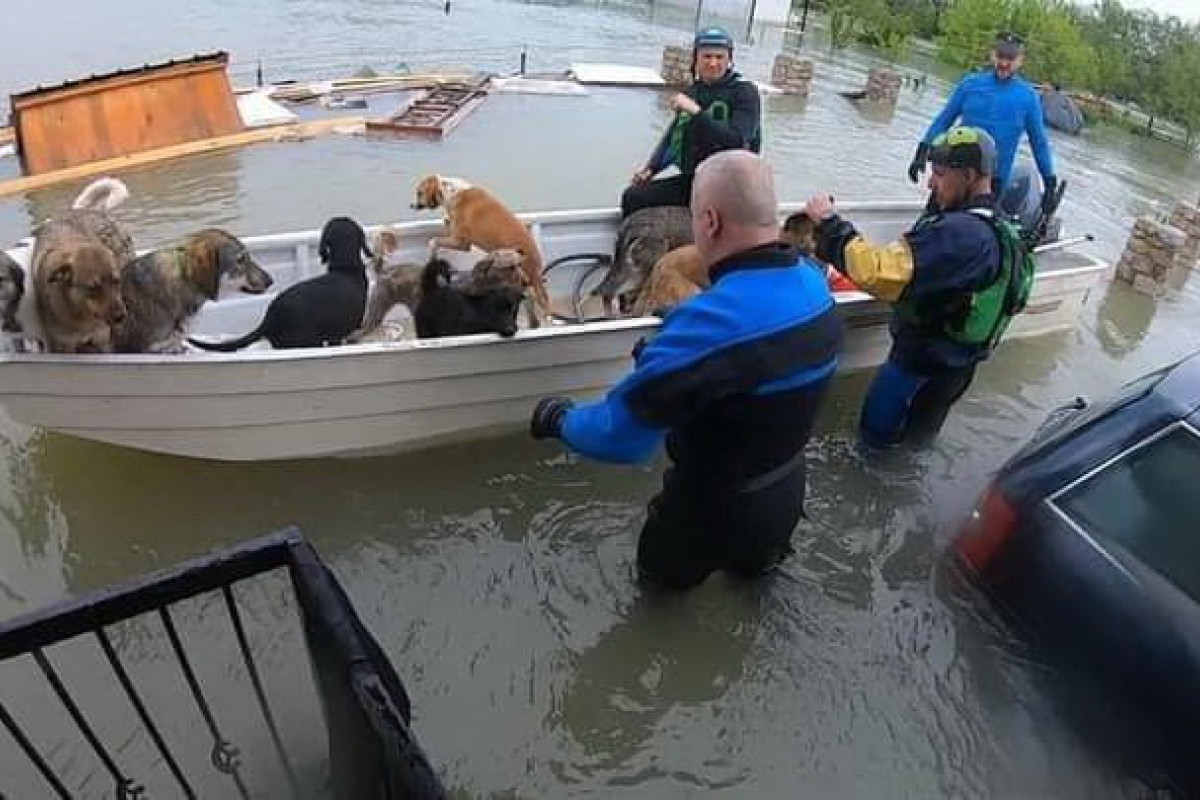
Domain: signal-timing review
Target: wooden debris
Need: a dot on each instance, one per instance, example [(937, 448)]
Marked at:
[(291, 132), (435, 112)]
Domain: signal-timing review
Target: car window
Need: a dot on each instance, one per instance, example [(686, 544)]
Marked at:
[(1148, 501)]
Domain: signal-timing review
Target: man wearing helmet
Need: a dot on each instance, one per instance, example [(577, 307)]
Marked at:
[(719, 111), (1005, 105), (951, 280)]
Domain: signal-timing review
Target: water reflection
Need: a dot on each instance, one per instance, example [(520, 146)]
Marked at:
[(666, 656)]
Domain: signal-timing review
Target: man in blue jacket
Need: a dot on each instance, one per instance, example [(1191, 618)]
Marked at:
[(1005, 105), (732, 382), (719, 111)]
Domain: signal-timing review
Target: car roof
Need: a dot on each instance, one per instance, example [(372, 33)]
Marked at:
[(1172, 396), (1180, 386)]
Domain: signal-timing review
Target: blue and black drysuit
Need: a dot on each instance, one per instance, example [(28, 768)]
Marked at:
[(931, 274), (730, 119), (1005, 109), (732, 381)]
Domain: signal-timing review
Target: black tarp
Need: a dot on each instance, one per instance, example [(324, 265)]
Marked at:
[(1061, 112)]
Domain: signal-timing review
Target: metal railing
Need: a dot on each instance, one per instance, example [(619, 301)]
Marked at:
[(372, 751)]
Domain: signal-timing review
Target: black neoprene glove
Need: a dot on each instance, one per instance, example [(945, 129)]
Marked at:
[(918, 163), (1051, 182), (548, 416)]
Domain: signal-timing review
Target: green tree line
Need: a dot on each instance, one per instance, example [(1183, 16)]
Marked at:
[(1130, 55)]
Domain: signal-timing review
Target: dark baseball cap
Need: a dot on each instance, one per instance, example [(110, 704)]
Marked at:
[(1009, 45)]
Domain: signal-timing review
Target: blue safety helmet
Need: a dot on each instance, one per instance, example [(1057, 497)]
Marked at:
[(713, 37)]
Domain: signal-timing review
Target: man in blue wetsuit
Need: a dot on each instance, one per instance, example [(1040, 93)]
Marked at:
[(955, 280), (1005, 105), (720, 111), (732, 382)]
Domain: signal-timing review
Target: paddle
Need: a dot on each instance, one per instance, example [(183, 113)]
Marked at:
[(1062, 244)]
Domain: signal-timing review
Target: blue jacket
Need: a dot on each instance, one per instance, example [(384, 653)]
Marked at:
[(722, 378), (1003, 108)]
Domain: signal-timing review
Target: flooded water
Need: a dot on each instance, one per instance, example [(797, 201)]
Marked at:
[(497, 576)]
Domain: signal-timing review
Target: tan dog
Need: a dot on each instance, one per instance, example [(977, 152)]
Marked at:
[(76, 264), (164, 288), (475, 217), (681, 273)]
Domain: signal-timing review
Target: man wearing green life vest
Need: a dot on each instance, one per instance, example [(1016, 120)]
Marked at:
[(955, 280), (719, 111)]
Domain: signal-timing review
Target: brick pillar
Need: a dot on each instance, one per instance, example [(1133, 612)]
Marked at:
[(1186, 217), (677, 65), (1153, 258), (792, 74), (883, 85)]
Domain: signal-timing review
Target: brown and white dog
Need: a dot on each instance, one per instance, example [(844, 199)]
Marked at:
[(475, 217), (76, 262), (681, 273), (164, 288)]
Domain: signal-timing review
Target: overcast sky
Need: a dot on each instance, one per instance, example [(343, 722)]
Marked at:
[(1187, 10)]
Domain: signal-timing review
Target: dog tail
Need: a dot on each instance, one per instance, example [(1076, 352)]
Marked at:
[(232, 344), (104, 194)]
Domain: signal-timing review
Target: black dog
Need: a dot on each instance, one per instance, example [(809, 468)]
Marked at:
[(476, 307), (12, 289), (320, 311)]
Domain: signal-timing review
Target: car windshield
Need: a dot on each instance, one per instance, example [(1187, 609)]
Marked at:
[(1145, 501)]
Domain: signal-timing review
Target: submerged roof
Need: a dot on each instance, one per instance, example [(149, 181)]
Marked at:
[(218, 56)]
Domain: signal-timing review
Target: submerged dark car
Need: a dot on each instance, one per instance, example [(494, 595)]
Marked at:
[(1088, 539)]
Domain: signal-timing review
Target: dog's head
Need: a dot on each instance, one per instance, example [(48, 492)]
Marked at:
[(429, 193), (86, 280), (12, 289), (499, 268), (342, 240), (222, 258), (435, 191), (498, 308), (800, 231), (384, 242)]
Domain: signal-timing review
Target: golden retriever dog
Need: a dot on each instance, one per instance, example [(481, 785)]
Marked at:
[(680, 273), (163, 289), (76, 262), (475, 217)]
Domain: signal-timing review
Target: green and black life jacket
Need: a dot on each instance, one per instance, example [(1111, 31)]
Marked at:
[(981, 317)]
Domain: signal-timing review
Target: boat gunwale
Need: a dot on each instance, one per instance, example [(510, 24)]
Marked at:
[(845, 299)]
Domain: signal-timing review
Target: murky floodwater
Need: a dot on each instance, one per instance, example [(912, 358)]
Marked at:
[(498, 576)]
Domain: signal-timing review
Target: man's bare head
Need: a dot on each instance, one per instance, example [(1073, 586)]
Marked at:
[(734, 206)]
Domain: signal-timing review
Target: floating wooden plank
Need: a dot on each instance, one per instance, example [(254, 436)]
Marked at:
[(615, 75), (8, 136), (125, 112), (300, 130), (435, 112)]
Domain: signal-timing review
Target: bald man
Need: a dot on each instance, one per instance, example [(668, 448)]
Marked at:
[(732, 382)]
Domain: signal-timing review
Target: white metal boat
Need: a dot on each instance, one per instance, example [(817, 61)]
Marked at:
[(382, 397)]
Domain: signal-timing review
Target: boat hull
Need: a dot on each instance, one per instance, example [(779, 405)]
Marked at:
[(386, 397)]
